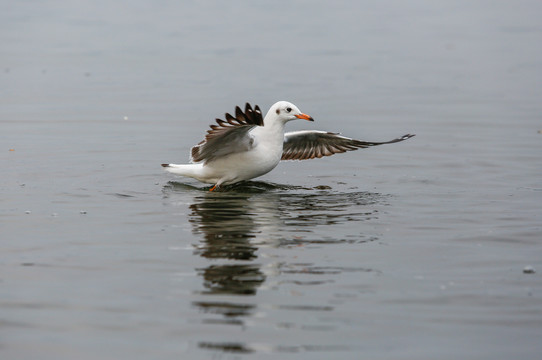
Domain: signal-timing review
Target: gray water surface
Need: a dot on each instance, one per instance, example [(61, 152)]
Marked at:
[(415, 250)]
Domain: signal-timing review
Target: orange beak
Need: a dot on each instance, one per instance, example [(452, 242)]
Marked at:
[(305, 117)]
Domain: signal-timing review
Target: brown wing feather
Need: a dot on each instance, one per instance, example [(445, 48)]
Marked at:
[(303, 145), (229, 131)]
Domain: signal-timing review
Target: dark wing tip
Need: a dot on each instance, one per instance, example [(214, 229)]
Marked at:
[(165, 165), (239, 114), (399, 139)]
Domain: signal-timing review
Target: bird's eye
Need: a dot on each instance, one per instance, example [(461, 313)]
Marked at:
[(288, 109)]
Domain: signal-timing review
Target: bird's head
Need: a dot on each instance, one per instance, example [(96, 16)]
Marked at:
[(285, 111)]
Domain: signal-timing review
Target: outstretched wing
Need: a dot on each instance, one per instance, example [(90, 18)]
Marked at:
[(228, 136), (303, 145)]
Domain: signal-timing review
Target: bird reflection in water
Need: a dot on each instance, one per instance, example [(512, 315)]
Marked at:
[(237, 222), (231, 225)]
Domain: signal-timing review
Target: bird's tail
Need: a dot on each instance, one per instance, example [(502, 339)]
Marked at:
[(190, 170)]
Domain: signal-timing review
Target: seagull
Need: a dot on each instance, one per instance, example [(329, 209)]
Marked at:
[(248, 145)]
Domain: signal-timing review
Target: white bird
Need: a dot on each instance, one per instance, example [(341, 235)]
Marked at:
[(247, 145)]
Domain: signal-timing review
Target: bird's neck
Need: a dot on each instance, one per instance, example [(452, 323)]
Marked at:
[(272, 133), (275, 128)]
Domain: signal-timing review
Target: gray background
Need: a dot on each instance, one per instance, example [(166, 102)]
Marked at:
[(413, 250)]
